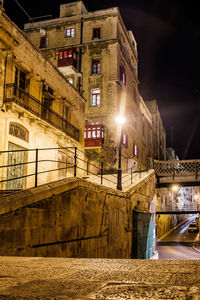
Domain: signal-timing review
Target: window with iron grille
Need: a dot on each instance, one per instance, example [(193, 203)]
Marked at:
[(96, 33), (96, 67), (70, 32), (95, 97)]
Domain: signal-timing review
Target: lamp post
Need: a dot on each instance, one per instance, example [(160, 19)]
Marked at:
[(120, 121)]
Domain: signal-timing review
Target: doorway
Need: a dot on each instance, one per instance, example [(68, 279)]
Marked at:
[(15, 171)]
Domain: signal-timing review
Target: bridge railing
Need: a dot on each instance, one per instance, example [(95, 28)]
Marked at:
[(178, 208), (177, 168)]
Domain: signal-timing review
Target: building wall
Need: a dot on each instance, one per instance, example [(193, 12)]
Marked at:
[(27, 114), (158, 130), (74, 218), (116, 47)]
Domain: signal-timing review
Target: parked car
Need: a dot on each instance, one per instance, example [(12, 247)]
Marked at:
[(193, 227)]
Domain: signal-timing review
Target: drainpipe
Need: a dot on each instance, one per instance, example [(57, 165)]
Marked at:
[(80, 54)]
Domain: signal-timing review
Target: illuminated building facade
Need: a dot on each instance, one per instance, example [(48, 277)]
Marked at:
[(38, 108), (98, 55)]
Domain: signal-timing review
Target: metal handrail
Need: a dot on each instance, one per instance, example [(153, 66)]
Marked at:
[(74, 164)]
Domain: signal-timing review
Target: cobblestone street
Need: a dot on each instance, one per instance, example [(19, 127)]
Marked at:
[(65, 278)]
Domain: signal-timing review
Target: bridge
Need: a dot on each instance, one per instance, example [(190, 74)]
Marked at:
[(178, 210), (184, 172)]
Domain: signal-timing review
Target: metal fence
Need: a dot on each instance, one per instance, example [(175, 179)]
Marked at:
[(25, 168)]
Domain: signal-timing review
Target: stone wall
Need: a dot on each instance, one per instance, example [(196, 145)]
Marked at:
[(75, 218)]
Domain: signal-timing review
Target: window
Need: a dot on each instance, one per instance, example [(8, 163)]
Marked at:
[(125, 140), (43, 42), (20, 82), (70, 32), (65, 113), (95, 97), (71, 80), (135, 149), (67, 57), (122, 74), (96, 67), (96, 33), (94, 135)]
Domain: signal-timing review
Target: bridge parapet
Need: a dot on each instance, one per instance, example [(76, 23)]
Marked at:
[(177, 167), (178, 209)]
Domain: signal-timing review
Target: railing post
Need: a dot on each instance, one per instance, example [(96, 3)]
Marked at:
[(173, 171), (101, 172), (87, 167), (75, 160), (196, 170), (140, 171), (131, 175), (36, 166)]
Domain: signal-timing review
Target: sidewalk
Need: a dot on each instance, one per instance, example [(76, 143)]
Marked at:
[(196, 245), (34, 278)]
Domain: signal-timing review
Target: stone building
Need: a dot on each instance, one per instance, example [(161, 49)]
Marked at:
[(159, 135), (39, 108), (98, 56)]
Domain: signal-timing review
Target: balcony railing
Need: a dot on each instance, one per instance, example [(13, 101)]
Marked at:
[(15, 94)]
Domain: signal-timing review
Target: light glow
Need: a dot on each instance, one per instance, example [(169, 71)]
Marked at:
[(120, 120), (175, 188)]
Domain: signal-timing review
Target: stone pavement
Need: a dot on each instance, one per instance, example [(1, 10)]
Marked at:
[(84, 279)]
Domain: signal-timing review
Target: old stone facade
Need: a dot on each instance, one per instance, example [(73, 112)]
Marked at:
[(38, 109), (98, 55), (76, 218), (159, 135)]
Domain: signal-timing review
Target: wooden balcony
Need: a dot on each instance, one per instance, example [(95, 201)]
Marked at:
[(94, 135)]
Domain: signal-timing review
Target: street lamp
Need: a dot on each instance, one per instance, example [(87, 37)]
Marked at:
[(120, 121)]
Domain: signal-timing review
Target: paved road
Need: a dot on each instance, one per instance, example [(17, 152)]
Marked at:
[(48, 278), (178, 245)]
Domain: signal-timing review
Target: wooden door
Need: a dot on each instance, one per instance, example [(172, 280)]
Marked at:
[(17, 171)]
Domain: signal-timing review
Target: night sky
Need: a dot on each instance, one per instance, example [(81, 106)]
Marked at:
[(167, 35)]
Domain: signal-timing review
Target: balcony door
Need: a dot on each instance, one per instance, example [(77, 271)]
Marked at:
[(15, 171)]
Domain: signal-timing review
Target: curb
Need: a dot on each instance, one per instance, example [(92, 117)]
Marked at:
[(197, 240)]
